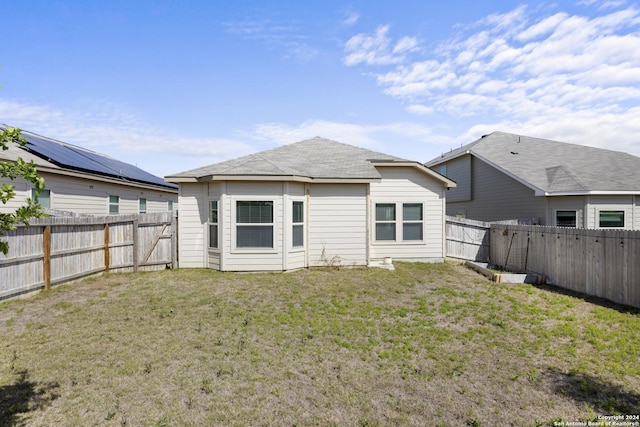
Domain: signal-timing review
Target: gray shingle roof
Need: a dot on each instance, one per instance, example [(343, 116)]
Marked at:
[(315, 158), (552, 166)]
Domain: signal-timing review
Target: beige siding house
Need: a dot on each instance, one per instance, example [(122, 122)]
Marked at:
[(80, 181), (505, 176), (313, 203)]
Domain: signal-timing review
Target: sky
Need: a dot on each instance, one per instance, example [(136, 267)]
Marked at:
[(173, 85)]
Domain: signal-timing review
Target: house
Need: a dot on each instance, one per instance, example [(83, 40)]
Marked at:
[(313, 203), (81, 181), (505, 176)]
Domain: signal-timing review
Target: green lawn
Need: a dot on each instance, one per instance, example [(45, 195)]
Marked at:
[(426, 344)]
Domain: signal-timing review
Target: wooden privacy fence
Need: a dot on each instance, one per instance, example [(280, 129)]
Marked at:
[(469, 239), (56, 250), (603, 263)]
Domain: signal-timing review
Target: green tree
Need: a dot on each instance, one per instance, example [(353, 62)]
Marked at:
[(13, 170)]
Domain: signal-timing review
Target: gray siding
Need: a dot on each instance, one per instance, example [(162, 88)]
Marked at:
[(572, 203), (90, 197), (459, 170), (595, 204), (495, 196)]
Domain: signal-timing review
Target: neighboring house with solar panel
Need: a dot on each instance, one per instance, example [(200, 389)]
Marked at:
[(85, 182), (505, 176), (313, 203)]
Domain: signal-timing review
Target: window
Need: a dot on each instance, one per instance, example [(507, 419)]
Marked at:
[(213, 224), (170, 205), (254, 224), (408, 216), (385, 221), (566, 218), (412, 221), (44, 197), (298, 224), (443, 170), (611, 219), (143, 205), (114, 204)]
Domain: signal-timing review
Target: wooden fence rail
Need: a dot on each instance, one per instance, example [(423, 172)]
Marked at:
[(603, 263), (60, 249)]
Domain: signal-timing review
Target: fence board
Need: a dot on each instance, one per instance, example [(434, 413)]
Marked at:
[(59, 249), (603, 263)]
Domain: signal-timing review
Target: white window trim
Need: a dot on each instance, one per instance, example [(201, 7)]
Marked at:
[(208, 228), (555, 217), (624, 214), (399, 221), (109, 204), (234, 225), (290, 224)]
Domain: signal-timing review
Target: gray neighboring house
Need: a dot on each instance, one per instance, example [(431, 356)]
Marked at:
[(313, 203), (505, 176)]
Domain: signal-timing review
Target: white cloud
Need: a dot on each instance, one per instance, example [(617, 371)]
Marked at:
[(351, 19), (556, 75), (377, 49), (111, 130)]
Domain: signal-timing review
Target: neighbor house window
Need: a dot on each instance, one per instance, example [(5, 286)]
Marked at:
[(44, 197), (298, 224), (412, 221), (213, 224), (566, 218), (254, 224), (385, 221), (114, 204), (611, 219), (170, 205), (142, 205), (443, 170)]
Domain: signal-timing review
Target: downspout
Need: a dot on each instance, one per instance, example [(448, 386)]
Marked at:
[(285, 226), (307, 208)]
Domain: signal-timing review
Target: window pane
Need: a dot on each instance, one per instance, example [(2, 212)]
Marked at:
[(611, 218), (254, 236), (169, 205), (213, 212), (412, 231), (385, 212), (298, 212), (213, 235), (113, 204), (385, 231), (143, 205), (249, 212), (566, 218), (412, 212), (298, 236), (44, 198)]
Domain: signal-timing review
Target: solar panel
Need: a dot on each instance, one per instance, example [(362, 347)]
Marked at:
[(77, 158)]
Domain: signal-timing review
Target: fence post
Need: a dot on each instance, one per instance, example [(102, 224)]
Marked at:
[(136, 245), (107, 260), (46, 261)]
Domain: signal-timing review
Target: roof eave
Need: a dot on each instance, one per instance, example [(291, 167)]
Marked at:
[(588, 193), (270, 178)]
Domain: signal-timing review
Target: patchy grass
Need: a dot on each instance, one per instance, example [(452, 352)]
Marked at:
[(431, 344)]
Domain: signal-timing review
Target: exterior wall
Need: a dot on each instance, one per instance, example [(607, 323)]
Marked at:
[(496, 196), (573, 203), (404, 185), (337, 224), (595, 204), (192, 220), (91, 197), (459, 170)]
